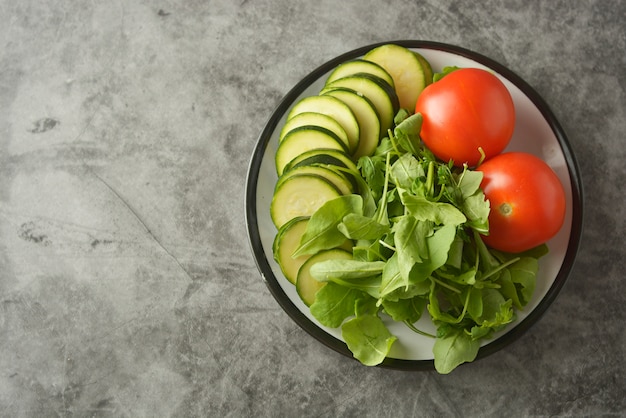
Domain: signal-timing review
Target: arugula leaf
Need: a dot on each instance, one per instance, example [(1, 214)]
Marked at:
[(355, 226), (455, 254), (479, 333), (369, 285), (321, 231), (346, 270), (373, 171), (508, 289), (368, 338), (476, 208), (475, 304), (405, 171), (409, 310), (453, 349), (426, 210), (487, 259), (334, 303), (385, 147), (406, 133), (438, 246), (400, 116), (413, 290), (443, 297), (523, 275), (537, 252), (366, 250), (496, 309), (469, 182), (365, 306), (465, 277), (444, 72), (381, 215), (392, 278), (410, 243)]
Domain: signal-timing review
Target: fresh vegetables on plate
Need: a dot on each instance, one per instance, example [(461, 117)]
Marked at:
[(374, 226)]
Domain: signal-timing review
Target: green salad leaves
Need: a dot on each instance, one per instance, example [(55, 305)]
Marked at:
[(416, 225)]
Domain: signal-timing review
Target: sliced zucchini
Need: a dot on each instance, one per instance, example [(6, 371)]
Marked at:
[(314, 119), (334, 108), (337, 178), (306, 285), (378, 91), (359, 66), (286, 242), (348, 174), (300, 195), (428, 69), (302, 139), (366, 115), (324, 156), (328, 157), (405, 68)]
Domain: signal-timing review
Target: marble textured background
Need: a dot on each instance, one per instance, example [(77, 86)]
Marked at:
[(127, 287)]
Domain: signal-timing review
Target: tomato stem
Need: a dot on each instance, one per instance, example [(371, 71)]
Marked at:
[(505, 209), (482, 156)]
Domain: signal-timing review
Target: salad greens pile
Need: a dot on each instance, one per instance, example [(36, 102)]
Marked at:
[(416, 224)]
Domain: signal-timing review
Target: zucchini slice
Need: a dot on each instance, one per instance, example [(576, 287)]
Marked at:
[(337, 178), (334, 108), (306, 285), (286, 242), (302, 139), (377, 91), (314, 119), (300, 195), (359, 66), (366, 115), (406, 70), (324, 156), (337, 160), (428, 69)]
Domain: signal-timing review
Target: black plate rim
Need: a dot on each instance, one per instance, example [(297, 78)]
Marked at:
[(261, 258)]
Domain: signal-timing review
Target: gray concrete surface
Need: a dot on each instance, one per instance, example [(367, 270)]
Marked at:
[(127, 286)]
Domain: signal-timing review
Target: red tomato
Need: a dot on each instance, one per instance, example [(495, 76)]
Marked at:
[(527, 201), (467, 109)]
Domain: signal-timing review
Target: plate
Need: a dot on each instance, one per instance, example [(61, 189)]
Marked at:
[(537, 131)]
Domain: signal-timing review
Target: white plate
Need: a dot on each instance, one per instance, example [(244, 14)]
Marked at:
[(537, 131)]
